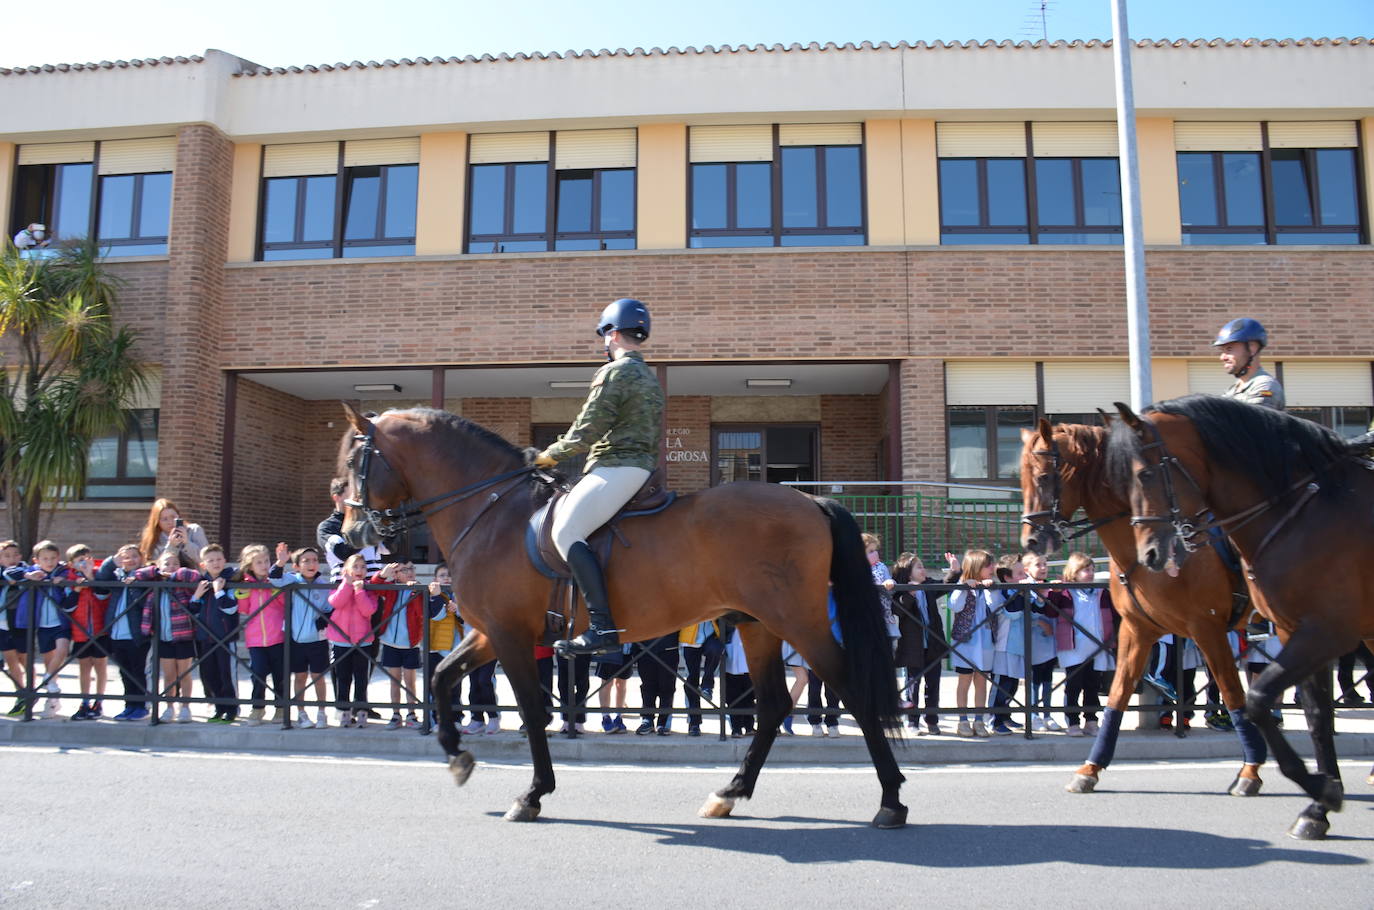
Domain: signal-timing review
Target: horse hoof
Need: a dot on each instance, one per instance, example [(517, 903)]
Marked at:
[(716, 806), (460, 766), (522, 813), (1370, 780), (1309, 828), (1081, 783), (889, 817), (1245, 786)]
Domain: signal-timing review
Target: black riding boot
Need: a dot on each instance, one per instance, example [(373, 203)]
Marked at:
[(601, 635)]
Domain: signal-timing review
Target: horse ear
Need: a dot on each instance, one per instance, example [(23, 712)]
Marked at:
[(1129, 416), (359, 422), (1046, 430), (1105, 417)]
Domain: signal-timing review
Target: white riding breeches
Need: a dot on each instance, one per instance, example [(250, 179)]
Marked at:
[(594, 500)]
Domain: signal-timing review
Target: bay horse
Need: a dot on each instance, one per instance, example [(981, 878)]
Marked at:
[(1063, 468), (764, 553), (1298, 502)]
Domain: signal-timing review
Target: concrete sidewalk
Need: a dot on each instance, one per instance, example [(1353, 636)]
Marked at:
[(1356, 739)]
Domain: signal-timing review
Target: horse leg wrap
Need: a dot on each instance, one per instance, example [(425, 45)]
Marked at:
[(1104, 745), (1254, 751)]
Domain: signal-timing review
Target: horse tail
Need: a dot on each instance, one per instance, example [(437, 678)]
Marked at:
[(867, 650)]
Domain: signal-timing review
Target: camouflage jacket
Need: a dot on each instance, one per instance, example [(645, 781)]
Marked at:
[(1261, 389), (622, 420)]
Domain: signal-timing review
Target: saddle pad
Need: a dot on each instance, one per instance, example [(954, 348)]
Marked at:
[(543, 554)]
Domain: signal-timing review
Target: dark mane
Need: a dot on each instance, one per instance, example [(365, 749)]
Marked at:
[(1271, 448)]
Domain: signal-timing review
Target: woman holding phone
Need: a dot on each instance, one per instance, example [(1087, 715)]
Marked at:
[(167, 530)]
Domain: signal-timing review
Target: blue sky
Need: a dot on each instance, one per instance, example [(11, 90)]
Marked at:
[(289, 32)]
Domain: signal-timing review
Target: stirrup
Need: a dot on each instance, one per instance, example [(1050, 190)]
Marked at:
[(592, 641)]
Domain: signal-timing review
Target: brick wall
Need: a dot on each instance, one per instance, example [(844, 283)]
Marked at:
[(851, 428), (269, 469), (507, 417), (103, 529), (923, 420), (688, 421)]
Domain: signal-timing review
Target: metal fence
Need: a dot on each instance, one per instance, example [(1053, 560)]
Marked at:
[(710, 690)]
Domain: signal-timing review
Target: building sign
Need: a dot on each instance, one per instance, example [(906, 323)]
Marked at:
[(679, 446)]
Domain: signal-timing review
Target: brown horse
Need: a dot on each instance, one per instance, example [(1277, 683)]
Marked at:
[(1298, 502), (764, 552), (1063, 468)]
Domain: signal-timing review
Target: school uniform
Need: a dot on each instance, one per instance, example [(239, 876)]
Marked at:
[(1084, 617), (739, 689), (43, 608), (975, 652), (215, 634), (921, 650), (307, 618)]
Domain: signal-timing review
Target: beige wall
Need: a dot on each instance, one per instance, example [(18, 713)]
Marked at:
[(443, 185), (662, 180), (243, 202), (1170, 376), (6, 183), (1159, 209), (883, 172), (921, 183), (766, 408)]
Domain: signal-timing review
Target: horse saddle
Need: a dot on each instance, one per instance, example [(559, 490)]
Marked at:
[(652, 498)]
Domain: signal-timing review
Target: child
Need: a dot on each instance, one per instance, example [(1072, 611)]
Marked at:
[(739, 689), (1043, 662), (124, 618), (1084, 618), (612, 668), (167, 614), (1008, 645), (264, 615), (350, 629), (44, 607), (89, 633), (218, 613), (445, 631), (971, 606), (14, 667), (401, 626), (309, 651)]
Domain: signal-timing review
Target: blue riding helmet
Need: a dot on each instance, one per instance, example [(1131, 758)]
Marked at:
[(1242, 329), (625, 315)]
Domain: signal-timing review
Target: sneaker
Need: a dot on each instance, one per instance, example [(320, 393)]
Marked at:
[(694, 729), (1038, 724), (1162, 685), (360, 718), (566, 728), (817, 730), (493, 726), (1002, 729), (664, 730), (1074, 730), (1220, 722), (168, 715), (346, 719), (82, 713), (645, 728), (787, 725), (980, 729), (97, 710), (580, 728), (278, 717), (1053, 725), (394, 723), (18, 708), (1185, 724), (137, 714), (1090, 728), (1166, 721), (620, 725), (51, 708), (1352, 699), (412, 722), (475, 727), (933, 729), (1015, 725), (965, 728), (321, 720), (218, 719), (303, 720), (184, 715), (607, 723), (255, 717)]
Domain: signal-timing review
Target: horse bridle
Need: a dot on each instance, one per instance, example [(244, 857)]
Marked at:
[(1188, 528), (387, 523), (1052, 519)]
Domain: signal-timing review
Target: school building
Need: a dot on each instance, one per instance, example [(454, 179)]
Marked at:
[(864, 263)]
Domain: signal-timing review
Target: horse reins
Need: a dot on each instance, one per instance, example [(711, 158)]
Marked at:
[(389, 522), (1187, 528)]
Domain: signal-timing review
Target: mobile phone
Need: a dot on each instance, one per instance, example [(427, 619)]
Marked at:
[(180, 523)]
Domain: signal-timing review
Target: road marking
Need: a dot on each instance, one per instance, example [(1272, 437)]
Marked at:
[(622, 768)]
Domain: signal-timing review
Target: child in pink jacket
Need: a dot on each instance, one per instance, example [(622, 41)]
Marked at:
[(264, 612), (350, 625)]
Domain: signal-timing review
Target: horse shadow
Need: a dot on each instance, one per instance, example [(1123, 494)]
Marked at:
[(970, 846)]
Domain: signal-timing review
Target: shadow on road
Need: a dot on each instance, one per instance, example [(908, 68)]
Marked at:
[(977, 846)]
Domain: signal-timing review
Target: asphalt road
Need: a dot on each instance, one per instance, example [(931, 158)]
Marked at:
[(112, 828)]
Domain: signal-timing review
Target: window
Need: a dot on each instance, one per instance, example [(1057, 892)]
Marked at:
[(595, 209), (327, 200), (135, 210), (1347, 421), (985, 441), (768, 453), (57, 195), (1278, 184), (1020, 183), (509, 209), (122, 464), (787, 185)]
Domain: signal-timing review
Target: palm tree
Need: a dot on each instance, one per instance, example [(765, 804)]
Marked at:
[(68, 374)]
